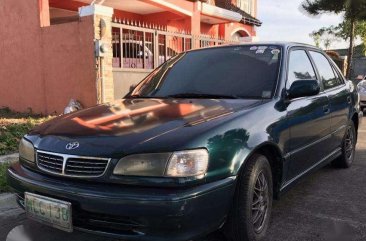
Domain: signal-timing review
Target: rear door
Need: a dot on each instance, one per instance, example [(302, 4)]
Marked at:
[(338, 94), (308, 118)]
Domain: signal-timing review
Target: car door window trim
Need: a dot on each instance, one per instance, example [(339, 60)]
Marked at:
[(288, 64)]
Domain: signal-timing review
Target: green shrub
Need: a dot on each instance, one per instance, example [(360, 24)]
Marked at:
[(13, 126), (3, 184)]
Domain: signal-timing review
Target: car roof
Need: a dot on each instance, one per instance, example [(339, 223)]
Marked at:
[(282, 44)]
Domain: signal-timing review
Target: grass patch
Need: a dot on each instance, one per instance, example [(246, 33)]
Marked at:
[(3, 184), (13, 126)]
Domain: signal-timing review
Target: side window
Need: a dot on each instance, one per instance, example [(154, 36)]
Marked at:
[(326, 71), (300, 67), (338, 75)]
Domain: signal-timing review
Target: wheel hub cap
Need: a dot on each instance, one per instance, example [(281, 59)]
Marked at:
[(349, 144), (260, 203)]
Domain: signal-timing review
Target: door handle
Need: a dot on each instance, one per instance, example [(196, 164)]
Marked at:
[(326, 109), (349, 100)]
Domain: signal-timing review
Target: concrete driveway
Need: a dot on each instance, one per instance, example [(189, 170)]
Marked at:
[(328, 205)]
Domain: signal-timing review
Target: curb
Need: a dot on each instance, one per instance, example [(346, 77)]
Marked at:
[(9, 158), (6, 198)]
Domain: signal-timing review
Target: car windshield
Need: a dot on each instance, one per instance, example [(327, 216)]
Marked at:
[(247, 71)]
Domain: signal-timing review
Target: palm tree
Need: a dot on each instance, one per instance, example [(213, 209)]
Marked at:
[(353, 10)]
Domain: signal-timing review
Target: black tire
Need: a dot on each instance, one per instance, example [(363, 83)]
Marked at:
[(348, 148), (250, 201)]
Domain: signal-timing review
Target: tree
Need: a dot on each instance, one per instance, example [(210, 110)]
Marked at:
[(325, 35), (343, 30), (353, 10), (316, 37), (329, 34)]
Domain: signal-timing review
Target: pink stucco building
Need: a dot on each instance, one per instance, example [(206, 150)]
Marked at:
[(92, 51)]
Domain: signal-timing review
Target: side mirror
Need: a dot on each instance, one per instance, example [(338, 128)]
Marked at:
[(303, 88), (132, 87)]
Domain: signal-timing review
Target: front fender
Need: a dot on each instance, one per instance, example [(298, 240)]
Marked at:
[(268, 148), (230, 151), (231, 144)]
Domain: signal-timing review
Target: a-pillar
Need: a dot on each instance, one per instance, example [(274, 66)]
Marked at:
[(102, 16)]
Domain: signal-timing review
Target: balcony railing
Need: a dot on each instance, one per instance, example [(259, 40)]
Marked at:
[(139, 45)]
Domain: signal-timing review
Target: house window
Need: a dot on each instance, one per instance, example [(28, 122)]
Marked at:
[(245, 5), (137, 49), (132, 49), (116, 44), (141, 48)]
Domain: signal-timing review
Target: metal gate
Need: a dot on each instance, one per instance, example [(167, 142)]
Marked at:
[(146, 46)]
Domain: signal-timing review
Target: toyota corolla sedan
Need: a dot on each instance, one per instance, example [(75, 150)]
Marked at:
[(205, 142)]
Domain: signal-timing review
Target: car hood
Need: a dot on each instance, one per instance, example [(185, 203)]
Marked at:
[(132, 121)]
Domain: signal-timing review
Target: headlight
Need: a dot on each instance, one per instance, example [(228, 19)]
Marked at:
[(142, 165), (26, 150), (177, 164)]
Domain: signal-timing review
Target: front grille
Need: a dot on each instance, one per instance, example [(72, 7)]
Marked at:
[(77, 166), (50, 162), (71, 165)]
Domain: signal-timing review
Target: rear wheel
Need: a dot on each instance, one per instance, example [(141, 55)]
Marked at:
[(251, 211), (348, 148)]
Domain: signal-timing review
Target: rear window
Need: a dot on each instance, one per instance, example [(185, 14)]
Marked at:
[(248, 71)]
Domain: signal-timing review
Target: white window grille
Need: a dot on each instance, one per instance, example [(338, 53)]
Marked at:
[(146, 46)]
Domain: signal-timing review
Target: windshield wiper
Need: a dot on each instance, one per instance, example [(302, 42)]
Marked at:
[(203, 96), (193, 96)]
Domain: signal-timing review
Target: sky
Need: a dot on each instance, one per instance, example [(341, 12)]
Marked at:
[(283, 21)]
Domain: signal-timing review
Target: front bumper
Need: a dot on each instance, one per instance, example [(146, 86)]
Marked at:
[(133, 213)]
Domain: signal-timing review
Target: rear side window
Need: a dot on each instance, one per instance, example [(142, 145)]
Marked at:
[(338, 75), (300, 67), (326, 71)]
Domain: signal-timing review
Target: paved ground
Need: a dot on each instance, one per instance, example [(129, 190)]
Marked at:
[(330, 205)]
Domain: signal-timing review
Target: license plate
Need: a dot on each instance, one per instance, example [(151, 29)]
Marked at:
[(49, 211)]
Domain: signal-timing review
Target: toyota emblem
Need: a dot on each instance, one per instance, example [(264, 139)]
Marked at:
[(72, 145)]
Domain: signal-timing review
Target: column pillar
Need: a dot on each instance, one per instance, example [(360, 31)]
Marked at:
[(196, 23), (102, 18), (44, 13)]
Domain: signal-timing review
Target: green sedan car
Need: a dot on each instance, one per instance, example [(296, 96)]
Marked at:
[(204, 143)]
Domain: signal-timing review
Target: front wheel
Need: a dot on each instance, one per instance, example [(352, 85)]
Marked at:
[(251, 211), (348, 148)]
